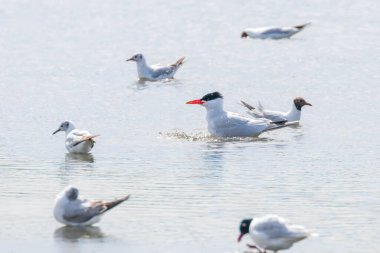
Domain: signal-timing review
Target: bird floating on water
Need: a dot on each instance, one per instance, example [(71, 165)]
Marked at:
[(155, 72), (294, 114), (273, 32), (77, 141), (229, 124), (72, 211)]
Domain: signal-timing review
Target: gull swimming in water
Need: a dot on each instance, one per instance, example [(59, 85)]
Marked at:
[(272, 232), (72, 211), (155, 72), (77, 141), (273, 32), (229, 124), (294, 114)]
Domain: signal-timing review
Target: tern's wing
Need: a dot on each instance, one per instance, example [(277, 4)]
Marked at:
[(90, 209), (234, 119)]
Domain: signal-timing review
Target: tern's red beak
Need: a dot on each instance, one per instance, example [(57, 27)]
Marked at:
[(195, 102), (240, 236)]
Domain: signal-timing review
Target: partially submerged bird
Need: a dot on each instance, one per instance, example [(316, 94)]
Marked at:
[(272, 232), (155, 72), (77, 141), (229, 124), (294, 114), (72, 211), (272, 32)]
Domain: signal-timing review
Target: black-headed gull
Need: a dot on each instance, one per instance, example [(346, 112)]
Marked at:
[(155, 72), (229, 124), (272, 232), (72, 211), (294, 114), (272, 32), (77, 141)]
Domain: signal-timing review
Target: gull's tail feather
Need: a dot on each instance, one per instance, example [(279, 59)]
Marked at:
[(248, 106), (278, 126), (302, 26), (179, 62), (111, 204)]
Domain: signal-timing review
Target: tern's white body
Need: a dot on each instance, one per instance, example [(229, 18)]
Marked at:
[(156, 72), (272, 32), (228, 124), (272, 232)]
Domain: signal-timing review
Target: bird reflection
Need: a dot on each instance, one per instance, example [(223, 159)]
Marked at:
[(213, 155), (79, 158), (74, 234)]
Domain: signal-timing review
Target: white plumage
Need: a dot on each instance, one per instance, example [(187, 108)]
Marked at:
[(272, 232), (293, 114), (155, 72), (72, 211), (76, 141), (229, 124), (272, 32)]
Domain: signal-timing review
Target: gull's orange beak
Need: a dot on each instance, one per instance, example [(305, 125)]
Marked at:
[(195, 102)]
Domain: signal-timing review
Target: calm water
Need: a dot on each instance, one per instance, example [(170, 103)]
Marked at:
[(66, 60)]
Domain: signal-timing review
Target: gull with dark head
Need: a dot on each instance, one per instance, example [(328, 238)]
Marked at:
[(273, 32), (72, 211), (294, 114), (155, 72), (228, 124), (272, 232), (77, 141)]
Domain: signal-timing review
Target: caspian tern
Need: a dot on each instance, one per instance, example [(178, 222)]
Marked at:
[(294, 114), (229, 124), (272, 232), (72, 211), (77, 141), (272, 32), (155, 72)]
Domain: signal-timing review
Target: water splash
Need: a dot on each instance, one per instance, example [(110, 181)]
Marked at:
[(206, 137)]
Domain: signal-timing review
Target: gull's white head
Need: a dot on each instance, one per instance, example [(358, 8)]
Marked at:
[(70, 192), (137, 58), (65, 126), (211, 101)]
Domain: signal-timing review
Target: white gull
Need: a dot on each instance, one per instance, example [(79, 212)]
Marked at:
[(272, 32), (77, 141), (72, 211), (155, 72)]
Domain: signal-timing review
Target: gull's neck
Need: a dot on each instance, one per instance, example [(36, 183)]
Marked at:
[(142, 68), (294, 114), (70, 128)]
